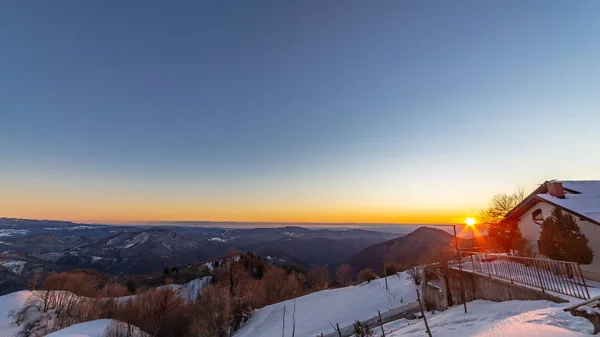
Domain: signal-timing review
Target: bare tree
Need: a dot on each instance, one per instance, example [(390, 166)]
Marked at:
[(343, 274), (502, 234), (440, 262), (213, 315), (416, 275), (318, 277), (166, 301)]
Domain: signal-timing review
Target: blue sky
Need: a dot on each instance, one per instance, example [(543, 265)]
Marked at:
[(279, 111)]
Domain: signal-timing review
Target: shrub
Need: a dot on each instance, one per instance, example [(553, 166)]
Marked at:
[(362, 329), (390, 269), (416, 275), (213, 322), (366, 275), (343, 274)]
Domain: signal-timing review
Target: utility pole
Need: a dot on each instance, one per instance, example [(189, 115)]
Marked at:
[(460, 282)]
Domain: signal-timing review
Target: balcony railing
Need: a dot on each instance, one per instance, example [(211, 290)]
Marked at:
[(548, 275)]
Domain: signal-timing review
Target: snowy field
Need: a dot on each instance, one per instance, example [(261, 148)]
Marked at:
[(315, 311)]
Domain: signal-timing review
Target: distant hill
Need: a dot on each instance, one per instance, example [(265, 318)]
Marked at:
[(134, 252), (43, 243), (408, 249)]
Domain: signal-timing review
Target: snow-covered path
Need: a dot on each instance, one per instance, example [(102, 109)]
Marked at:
[(493, 319), (315, 311)]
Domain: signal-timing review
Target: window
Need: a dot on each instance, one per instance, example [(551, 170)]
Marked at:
[(538, 217)]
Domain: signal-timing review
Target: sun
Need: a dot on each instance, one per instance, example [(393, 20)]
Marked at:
[(470, 221)]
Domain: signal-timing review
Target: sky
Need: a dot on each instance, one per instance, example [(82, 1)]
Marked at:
[(305, 111)]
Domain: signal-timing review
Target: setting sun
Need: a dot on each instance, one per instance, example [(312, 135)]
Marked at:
[(470, 221)]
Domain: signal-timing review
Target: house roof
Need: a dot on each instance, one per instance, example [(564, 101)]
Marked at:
[(582, 198)]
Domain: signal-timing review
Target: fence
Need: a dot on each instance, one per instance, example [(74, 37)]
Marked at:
[(557, 276)]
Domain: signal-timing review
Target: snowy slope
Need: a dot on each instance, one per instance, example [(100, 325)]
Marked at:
[(15, 301), (10, 302), (187, 292), (343, 306), (492, 319), (97, 328)]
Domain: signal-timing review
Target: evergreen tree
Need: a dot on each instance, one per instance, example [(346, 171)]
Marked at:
[(561, 239)]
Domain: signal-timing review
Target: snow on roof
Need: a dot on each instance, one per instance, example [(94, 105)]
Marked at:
[(591, 187), (586, 202)]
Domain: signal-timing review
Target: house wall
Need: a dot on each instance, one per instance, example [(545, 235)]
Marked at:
[(531, 231), (592, 233)]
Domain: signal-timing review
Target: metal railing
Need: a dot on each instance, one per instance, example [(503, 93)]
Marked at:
[(557, 276)]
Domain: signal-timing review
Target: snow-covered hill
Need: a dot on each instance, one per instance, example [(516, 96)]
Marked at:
[(14, 301), (315, 312), (97, 328)]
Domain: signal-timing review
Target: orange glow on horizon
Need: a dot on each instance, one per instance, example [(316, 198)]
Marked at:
[(136, 215)]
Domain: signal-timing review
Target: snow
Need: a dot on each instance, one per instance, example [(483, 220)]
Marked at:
[(217, 240), (8, 303), (493, 319), (97, 328), (188, 291), (12, 232), (315, 311), (587, 203), (293, 234), (72, 228), (138, 239), (14, 266), (589, 310), (15, 301)]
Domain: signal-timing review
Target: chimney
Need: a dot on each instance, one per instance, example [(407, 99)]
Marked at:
[(556, 189)]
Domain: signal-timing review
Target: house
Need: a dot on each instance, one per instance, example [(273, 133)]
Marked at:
[(578, 198)]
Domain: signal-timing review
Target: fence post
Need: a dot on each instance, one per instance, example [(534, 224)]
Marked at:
[(422, 314), (381, 324), (539, 276), (583, 279), (472, 264), (338, 329), (509, 272)]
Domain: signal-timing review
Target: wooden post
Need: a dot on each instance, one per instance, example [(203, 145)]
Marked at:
[(283, 329), (381, 324), (462, 292), (338, 329), (423, 314)]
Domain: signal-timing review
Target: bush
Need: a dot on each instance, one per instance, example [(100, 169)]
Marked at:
[(213, 322), (366, 275), (390, 269), (362, 329), (416, 275)]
